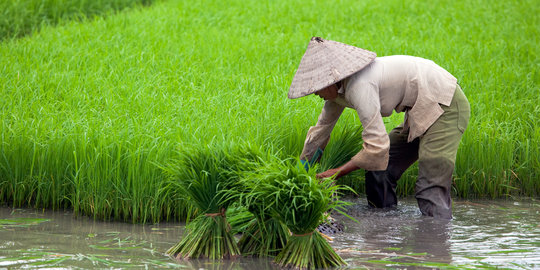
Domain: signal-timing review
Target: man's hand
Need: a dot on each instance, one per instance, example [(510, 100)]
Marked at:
[(339, 172), (328, 173)]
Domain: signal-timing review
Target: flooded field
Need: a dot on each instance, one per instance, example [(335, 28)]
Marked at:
[(483, 234)]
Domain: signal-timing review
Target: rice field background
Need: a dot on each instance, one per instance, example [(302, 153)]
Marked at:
[(93, 108), (22, 17)]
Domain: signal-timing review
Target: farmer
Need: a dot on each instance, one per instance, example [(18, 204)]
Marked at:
[(436, 115)]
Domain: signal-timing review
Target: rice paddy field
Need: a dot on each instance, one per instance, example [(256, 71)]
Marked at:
[(94, 106)]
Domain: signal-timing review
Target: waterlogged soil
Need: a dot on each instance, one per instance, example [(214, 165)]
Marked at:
[(483, 234)]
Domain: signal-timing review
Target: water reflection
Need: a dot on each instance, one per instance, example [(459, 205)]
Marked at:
[(235, 264), (400, 235), (82, 242), (483, 234), (430, 236)]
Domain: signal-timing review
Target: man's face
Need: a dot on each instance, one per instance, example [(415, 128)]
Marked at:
[(328, 93)]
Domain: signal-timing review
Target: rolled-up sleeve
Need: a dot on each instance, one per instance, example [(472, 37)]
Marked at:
[(364, 97), (319, 135)]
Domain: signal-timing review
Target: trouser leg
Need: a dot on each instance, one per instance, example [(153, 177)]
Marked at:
[(381, 185), (379, 191), (437, 155)]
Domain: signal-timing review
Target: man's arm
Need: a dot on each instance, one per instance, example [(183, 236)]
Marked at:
[(376, 144), (318, 136)]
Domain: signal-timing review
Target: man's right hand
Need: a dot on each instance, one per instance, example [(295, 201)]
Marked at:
[(314, 159)]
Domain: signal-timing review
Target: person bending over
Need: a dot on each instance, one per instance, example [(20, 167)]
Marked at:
[(436, 115)]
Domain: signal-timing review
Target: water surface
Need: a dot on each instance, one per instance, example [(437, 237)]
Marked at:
[(487, 233)]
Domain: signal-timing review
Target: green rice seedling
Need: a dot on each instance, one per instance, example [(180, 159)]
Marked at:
[(239, 218), (90, 107), (300, 200), (342, 147), (345, 142), (265, 235), (209, 236), (21, 17), (208, 179), (262, 234)]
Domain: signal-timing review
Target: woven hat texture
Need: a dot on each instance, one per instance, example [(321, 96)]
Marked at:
[(325, 63)]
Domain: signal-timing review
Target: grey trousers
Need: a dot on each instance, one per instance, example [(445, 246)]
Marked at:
[(435, 152)]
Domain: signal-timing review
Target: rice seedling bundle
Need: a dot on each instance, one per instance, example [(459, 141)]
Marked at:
[(300, 200), (207, 178), (239, 218), (265, 235), (262, 234)]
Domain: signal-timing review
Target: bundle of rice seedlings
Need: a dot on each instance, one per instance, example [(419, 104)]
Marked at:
[(208, 180), (262, 235), (265, 235), (239, 218), (300, 200)]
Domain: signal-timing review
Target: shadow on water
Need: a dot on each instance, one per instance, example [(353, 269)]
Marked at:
[(482, 234)]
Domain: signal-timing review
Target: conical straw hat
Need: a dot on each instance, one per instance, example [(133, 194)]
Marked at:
[(325, 63)]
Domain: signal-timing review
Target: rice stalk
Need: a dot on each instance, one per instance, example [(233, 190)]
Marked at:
[(209, 236), (308, 251)]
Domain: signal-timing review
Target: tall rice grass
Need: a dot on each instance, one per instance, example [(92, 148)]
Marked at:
[(22, 17), (91, 111)]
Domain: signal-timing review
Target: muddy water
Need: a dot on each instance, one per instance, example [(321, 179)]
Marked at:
[(483, 234)]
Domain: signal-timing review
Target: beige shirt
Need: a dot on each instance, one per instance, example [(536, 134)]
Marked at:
[(390, 83)]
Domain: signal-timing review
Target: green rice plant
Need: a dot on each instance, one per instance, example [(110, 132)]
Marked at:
[(299, 200), (262, 234), (345, 142), (208, 178), (265, 235), (91, 109), (21, 17), (343, 145), (209, 236), (239, 218)]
